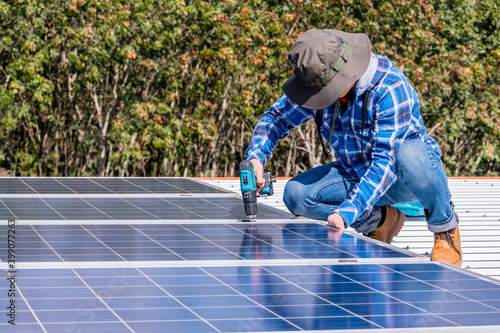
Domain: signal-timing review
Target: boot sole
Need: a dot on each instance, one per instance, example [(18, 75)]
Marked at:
[(458, 264)]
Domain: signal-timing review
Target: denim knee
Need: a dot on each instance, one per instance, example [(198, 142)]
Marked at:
[(410, 154), (413, 162), (294, 198)]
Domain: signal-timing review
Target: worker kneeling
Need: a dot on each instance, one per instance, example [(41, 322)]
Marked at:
[(369, 113)]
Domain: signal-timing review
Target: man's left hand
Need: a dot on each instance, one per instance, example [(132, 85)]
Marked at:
[(336, 221)]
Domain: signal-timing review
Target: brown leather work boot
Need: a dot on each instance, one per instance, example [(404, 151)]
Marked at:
[(447, 247), (390, 227)]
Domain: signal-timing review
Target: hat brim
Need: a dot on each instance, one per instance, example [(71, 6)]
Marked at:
[(320, 98)]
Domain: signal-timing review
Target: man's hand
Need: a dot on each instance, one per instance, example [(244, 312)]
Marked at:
[(336, 221), (258, 169)]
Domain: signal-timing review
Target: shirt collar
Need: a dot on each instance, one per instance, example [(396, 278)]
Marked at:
[(365, 80)]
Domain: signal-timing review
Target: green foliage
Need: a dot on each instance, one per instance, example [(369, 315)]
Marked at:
[(169, 87)]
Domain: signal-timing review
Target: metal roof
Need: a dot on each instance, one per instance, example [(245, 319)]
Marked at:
[(477, 202)]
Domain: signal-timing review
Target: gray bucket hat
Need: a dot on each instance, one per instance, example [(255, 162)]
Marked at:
[(325, 63)]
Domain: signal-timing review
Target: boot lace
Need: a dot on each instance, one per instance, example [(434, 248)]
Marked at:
[(449, 237)]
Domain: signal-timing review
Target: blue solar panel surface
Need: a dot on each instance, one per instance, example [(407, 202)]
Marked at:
[(83, 185), (129, 208), (252, 298), (186, 273), (177, 242)]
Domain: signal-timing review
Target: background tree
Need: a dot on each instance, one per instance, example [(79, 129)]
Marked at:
[(174, 88)]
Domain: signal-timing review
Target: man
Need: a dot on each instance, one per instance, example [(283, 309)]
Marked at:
[(369, 114)]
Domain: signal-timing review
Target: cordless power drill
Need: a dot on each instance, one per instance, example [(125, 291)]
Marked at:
[(248, 184)]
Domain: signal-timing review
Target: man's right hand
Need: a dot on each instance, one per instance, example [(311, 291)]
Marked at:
[(258, 169)]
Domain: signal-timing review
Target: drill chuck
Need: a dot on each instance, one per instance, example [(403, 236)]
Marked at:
[(250, 202)]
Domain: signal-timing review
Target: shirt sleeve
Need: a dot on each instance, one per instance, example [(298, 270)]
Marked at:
[(392, 123), (275, 125)]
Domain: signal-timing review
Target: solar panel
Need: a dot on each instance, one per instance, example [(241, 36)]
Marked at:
[(84, 185), (177, 242), (128, 208), (254, 298), (176, 255)]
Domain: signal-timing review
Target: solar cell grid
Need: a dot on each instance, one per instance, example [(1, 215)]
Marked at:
[(160, 261), (157, 185), (86, 185), (191, 186), (47, 185), (121, 186), (29, 209), (73, 209), (14, 186), (228, 298), (127, 208), (83, 185), (190, 242)]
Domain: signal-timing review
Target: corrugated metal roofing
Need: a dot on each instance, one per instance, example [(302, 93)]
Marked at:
[(477, 202)]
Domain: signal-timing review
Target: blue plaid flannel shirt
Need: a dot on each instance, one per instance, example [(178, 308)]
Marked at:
[(393, 116)]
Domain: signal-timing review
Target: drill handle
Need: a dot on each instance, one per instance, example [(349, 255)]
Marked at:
[(268, 189), (248, 180)]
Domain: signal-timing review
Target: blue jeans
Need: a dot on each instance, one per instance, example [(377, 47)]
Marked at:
[(316, 193)]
